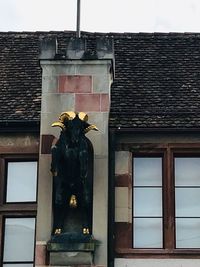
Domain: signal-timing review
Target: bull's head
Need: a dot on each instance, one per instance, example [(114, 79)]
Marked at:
[(74, 124)]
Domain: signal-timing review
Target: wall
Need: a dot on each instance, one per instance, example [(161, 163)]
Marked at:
[(19, 143)]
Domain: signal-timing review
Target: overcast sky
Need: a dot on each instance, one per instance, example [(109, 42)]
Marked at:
[(101, 15)]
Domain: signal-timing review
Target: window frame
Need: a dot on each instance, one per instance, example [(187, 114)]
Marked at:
[(8, 160), (169, 151), (155, 154), (16, 216), (15, 209)]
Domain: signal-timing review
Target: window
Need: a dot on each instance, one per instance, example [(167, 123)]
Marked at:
[(166, 201), (19, 240), (147, 192), (21, 181), (18, 178), (187, 201)]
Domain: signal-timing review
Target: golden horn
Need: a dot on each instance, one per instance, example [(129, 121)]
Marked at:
[(58, 124), (83, 116), (91, 127), (69, 115)]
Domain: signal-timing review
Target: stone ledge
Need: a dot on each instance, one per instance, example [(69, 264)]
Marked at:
[(54, 247), (69, 258)]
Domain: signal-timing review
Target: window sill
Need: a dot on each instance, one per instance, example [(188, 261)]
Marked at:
[(157, 253)]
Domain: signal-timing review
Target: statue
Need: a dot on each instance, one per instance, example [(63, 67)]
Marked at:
[(72, 185)]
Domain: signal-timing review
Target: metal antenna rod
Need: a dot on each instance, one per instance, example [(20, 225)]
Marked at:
[(78, 33)]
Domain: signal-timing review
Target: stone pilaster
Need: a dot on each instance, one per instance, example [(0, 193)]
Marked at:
[(78, 84)]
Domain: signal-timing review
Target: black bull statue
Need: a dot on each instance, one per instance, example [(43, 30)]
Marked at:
[(70, 163)]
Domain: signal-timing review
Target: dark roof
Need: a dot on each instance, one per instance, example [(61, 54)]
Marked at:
[(157, 81), (157, 78)]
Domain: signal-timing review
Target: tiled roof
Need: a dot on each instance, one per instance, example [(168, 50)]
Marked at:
[(157, 81), (157, 78), (20, 77)]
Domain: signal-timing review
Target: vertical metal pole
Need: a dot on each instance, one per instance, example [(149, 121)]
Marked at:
[(78, 33)]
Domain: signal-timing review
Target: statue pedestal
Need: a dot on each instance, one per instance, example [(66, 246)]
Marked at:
[(71, 249)]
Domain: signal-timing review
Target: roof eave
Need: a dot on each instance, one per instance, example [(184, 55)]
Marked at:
[(19, 126), (154, 130)]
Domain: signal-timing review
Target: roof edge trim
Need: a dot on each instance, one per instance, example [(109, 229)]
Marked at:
[(152, 130), (19, 126)]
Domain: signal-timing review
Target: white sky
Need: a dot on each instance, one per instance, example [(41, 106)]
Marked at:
[(101, 15)]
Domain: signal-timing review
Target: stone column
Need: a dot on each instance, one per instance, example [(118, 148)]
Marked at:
[(75, 83)]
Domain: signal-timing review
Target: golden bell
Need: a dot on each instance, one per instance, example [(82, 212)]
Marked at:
[(73, 202)]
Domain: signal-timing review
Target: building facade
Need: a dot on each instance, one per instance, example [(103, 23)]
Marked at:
[(142, 92)]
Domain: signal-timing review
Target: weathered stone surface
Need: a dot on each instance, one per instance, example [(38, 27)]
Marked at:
[(70, 258), (48, 48), (75, 84), (105, 48), (76, 48), (122, 159)]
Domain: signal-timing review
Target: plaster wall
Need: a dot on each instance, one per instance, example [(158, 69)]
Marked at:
[(19, 140), (157, 262), (59, 95), (169, 137)]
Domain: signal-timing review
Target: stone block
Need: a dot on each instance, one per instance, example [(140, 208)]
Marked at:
[(101, 84), (96, 68), (75, 84), (105, 102), (48, 48), (40, 253), (46, 143), (70, 258), (44, 213), (64, 68), (123, 180), (123, 235), (122, 214), (76, 48), (100, 208), (49, 84), (121, 197), (57, 103), (122, 162), (105, 48), (87, 102)]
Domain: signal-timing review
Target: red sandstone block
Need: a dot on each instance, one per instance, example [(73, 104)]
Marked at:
[(47, 141), (123, 236), (74, 84), (87, 102), (105, 102), (40, 255)]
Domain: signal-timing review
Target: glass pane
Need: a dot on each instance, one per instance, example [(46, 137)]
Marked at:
[(147, 171), (147, 233), (187, 171), (187, 233), (187, 202), (18, 265), (148, 202), (19, 239), (21, 181)]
